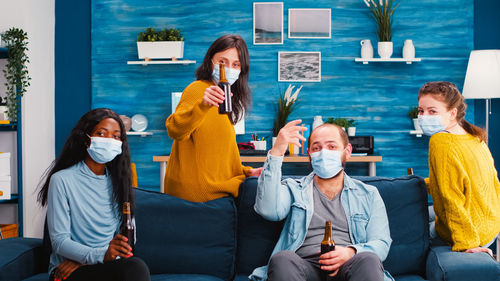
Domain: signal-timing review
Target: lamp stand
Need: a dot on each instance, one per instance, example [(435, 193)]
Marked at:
[(488, 112)]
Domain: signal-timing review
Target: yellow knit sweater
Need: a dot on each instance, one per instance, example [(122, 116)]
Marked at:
[(464, 185), (204, 163)]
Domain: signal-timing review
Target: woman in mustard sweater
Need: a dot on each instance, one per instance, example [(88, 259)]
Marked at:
[(204, 161), (462, 180)]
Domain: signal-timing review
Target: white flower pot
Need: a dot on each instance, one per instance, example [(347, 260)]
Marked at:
[(351, 131), (416, 124), (160, 49), (385, 50), (408, 50)]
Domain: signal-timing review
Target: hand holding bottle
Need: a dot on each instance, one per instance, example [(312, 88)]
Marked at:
[(213, 96), (118, 247), (289, 134)]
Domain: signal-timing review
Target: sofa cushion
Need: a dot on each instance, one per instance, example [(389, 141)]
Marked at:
[(178, 236), (405, 200), (443, 264), (256, 236), (21, 258), (38, 277)]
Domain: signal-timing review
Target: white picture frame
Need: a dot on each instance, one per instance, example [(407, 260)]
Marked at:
[(299, 66), (176, 97), (309, 23), (268, 23)]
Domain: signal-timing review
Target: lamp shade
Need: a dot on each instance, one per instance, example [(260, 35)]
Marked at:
[(482, 80)]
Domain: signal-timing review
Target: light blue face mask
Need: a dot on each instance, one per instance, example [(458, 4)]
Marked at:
[(104, 150), (231, 74), (327, 163), (430, 124)]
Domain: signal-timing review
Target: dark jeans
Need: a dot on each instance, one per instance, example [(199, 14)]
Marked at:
[(131, 269), (287, 265)]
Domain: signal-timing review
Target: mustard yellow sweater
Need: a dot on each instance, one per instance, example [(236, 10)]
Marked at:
[(464, 185), (204, 162)]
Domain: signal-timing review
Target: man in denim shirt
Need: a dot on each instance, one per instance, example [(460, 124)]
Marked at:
[(359, 221)]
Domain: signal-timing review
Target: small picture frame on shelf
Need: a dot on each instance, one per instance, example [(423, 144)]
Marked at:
[(309, 23), (299, 66), (267, 23)]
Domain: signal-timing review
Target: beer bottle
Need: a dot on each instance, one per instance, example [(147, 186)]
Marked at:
[(127, 228), (327, 244), (225, 106)]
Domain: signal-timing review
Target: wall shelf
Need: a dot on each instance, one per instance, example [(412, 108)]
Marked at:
[(14, 198), (142, 134), (143, 62), (8, 127), (418, 133), (408, 61)]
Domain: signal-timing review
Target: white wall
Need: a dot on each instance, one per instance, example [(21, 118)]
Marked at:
[(37, 18)]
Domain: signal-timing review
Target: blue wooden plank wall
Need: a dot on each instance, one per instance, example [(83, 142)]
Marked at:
[(377, 95)]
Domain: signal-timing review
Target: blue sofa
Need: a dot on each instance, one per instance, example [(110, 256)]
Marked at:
[(225, 239)]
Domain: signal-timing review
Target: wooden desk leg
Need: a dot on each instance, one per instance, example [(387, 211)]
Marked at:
[(372, 169), (163, 169)]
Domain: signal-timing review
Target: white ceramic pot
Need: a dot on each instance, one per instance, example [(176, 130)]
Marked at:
[(351, 131), (366, 49), (259, 145), (160, 49), (416, 124), (385, 49), (408, 50)]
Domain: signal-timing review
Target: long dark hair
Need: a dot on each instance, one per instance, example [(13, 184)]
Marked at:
[(75, 150), (240, 89), (449, 94)]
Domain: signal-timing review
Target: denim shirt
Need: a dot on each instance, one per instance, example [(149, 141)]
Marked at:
[(293, 199)]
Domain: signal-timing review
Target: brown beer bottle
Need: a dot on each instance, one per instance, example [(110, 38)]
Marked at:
[(225, 106), (127, 228), (327, 244)]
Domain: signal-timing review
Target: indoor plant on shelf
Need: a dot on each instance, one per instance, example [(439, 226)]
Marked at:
[(164, 44), (382, 12), (341, 122), (286, 105), (16, 70), (413, 114)]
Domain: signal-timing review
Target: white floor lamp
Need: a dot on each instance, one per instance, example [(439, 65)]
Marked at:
[(482, 80)]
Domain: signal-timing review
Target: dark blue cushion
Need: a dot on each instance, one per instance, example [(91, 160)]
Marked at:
[(405, 200), (443, 264), (183, 277), (256, 236), (38, 277), (21, 258), (178, 236)]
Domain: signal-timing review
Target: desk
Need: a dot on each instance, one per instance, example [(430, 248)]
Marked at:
[(371, 160)]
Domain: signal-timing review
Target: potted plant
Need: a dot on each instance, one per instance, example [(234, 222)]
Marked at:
[(413, 114), (351, 127), (164, 44), (341, 122), (382, 12), (16, 70), (286, 105)]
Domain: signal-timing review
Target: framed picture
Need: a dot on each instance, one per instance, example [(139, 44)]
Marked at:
[(299, 66), (176, 97), (267, 23), (310, 23)]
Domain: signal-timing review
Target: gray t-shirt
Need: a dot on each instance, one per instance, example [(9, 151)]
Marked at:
[(324, 210)]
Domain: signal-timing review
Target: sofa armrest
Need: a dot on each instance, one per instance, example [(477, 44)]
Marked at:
[(21, 258), (446, 265)]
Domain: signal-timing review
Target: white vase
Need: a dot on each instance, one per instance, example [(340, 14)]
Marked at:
[(366, 49), (384, 49), (408, 50), (317, 121), (416, 124), (351, 131)]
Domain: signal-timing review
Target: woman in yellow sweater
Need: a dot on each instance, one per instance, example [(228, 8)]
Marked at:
[(204, 161), (462, 180)]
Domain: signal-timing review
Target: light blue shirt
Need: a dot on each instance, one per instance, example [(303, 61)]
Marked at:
[(82, 216), (293, 199)]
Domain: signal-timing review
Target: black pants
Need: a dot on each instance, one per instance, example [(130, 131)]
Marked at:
[(131, 269), (288, 266)]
